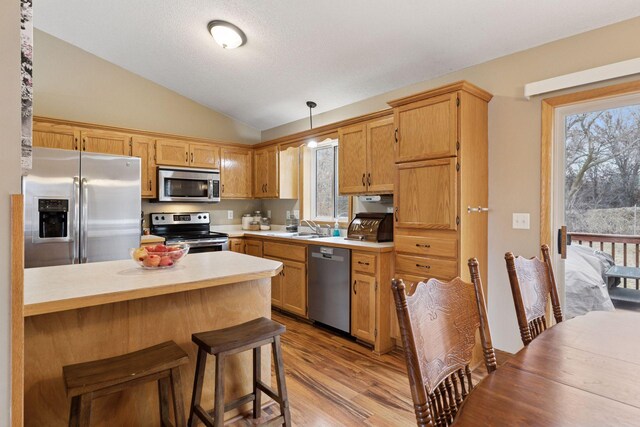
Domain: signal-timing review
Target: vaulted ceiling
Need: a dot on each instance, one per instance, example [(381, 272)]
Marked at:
[(334, 52)]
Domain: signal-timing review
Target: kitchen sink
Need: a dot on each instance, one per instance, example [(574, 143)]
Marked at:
[(306, 236)]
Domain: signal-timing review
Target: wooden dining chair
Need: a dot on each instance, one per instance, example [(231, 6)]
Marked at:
[(438, 324), (532, 282)]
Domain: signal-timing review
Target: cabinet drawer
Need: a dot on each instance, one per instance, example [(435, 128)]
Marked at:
[(426, 267), (427, 246), (286, 251), (365, 263)]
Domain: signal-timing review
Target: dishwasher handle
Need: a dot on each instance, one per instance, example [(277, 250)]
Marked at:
[(328, 257)]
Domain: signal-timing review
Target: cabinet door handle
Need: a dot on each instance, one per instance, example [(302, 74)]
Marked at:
[(186, 157), (423, 245), (149, 185), (423, 266), (368, 179), (396, 214), (223, 188), (395, 134), (363, 183), (363, 263), (192, 157), (283, 271), (75, 140), (355, 292), (84, 144)]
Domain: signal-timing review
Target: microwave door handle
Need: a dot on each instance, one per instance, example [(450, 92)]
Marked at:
[(210, 192), (76, 221), (84, 222)]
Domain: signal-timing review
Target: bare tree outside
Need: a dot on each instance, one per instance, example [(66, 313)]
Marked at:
[(602, 187)]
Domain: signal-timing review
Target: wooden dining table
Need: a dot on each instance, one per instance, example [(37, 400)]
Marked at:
[(581, 372)]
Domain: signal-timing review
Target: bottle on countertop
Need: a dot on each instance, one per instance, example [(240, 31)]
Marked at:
[(336, 229)]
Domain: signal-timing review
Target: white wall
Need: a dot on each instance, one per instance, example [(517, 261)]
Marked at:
[(9, 178)]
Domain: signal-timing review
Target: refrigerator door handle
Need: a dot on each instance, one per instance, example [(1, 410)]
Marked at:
[(84, 221), (75, 259)]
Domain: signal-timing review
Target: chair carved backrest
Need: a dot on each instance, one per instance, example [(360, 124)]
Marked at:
[(532, 283), (438, 324)]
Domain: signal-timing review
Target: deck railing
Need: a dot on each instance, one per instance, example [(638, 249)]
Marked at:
[(625, 250)]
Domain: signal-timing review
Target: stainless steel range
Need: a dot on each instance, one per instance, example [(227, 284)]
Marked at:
[(191, 228)]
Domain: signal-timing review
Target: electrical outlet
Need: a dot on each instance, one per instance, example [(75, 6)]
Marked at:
[(229, 214), (521, 221), (288, 214), (296, 213)]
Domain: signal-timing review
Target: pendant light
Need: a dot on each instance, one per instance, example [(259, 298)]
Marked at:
[(313, 143)]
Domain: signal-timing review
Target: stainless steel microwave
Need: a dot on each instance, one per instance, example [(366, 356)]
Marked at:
[(188, 185)]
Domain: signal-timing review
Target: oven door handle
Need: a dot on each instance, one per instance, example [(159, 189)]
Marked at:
[(200, 243)]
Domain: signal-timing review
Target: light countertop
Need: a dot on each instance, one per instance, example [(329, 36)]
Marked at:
[(66, 287), (150, 238), (279, 234)]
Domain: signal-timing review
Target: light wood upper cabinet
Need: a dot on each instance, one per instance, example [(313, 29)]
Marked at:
[(265, 173), (48, 135), (366, 160), (427, 129), (363, 306), (426, 194), (144, 148), (294, 287), (97, 141), (171, 152), (352, 160), (235, 172), (380, 160), (204, 156)]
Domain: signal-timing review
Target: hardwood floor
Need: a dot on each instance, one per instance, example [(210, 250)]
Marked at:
[(333, 381)]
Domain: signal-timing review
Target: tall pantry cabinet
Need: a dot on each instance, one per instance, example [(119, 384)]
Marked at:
[(441, 182)]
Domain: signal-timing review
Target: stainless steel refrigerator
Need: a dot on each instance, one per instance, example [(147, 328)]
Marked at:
[(80, 207)]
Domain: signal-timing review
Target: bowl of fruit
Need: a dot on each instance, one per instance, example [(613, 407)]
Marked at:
[(159, 256)]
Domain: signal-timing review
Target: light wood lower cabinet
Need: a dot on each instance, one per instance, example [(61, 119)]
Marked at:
[(236, 245), (363, 306), (253, 247), (371, 298), (294, 287), (276, 287)]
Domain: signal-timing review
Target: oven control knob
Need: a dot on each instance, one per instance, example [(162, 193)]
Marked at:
[(162, 218), (199, 216), (156, 216)]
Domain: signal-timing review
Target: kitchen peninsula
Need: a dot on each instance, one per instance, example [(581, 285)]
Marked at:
[(77, 313)]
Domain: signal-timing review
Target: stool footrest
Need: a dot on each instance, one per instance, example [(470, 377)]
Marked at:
[(204, 416), (239, 402), (277, 421), (268, 391)]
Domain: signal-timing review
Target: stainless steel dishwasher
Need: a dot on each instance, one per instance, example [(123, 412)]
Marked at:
[(329, 286)]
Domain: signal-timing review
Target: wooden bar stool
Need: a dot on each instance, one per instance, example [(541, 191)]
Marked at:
[(87, 381), (224, 342)]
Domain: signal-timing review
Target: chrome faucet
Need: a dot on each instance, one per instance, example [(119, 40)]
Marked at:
[(312, 225)]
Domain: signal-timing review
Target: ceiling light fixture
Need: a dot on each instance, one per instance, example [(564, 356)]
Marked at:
[(226, 34), (313, 143)]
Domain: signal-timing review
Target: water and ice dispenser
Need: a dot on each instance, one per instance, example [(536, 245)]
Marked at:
[(53, 218)]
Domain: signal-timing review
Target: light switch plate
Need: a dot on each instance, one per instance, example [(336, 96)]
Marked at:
[(296, 213), (229, 214), (269, 214), (521, 221), (288, 214)]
